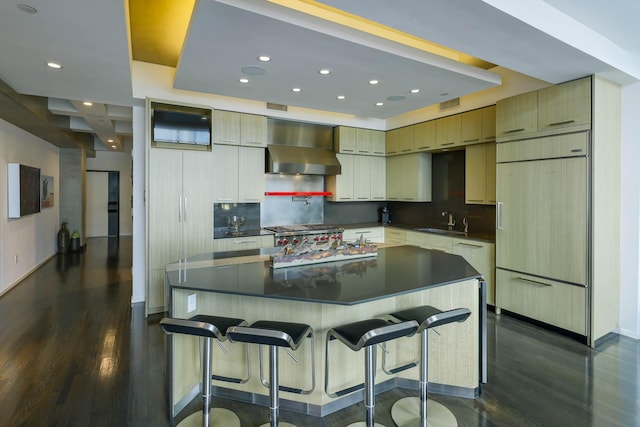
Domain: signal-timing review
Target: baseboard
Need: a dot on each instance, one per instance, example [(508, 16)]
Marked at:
[(629, 334), (25, 275)]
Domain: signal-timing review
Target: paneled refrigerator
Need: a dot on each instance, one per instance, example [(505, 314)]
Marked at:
[(542, 229)]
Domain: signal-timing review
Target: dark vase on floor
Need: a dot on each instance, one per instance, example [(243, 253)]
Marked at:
[(63, 239)]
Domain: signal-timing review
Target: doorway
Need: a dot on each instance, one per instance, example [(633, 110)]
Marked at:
[(103, 203)]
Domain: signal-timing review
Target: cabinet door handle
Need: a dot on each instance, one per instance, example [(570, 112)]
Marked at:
[(423, 147), (447, 143), (565, 122), (476, 200), (471, 246), (472, 140), (514, 130), (242, 242), (224, 200), (499, 216), (184, 211), (534, 282), (179, 209)]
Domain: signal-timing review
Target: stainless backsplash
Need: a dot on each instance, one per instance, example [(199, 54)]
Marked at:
[(287, 210)]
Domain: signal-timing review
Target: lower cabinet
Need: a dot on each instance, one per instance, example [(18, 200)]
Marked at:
[(548, 301), (242, 243), (482, 257), (373, 234), (480, 254), (395, 236)]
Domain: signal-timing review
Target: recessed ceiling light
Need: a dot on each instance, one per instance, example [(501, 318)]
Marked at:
[(87, 103), (54, 65), (341, 97), (296, 89), (27, 8), (244, 80), (114, 146), (415, 90), (264, 58), (379, 104), (373, 82), (109, 140), (325, 71)]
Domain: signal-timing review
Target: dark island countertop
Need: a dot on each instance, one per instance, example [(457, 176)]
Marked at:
[(396, 270)]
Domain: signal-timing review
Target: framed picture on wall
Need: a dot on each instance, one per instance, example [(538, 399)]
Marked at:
[(46, 191)]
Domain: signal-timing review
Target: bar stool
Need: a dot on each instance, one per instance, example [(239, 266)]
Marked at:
[(413, 411), (366, 333), (207, 328), (274, 334)]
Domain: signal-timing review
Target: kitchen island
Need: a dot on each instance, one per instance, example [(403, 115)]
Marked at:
[(242, 284)]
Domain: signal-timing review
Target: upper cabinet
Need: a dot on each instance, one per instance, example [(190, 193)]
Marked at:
[(409, 177), (449, 131), (565, 106), (369, 142), (471, 127), (480, 174), (424, 137), (557, 109), (253, 130), (238, 174), (517, 115), (344, 139), (231, 128)]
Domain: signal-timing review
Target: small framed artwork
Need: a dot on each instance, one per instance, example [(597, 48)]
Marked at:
[(46, 191)]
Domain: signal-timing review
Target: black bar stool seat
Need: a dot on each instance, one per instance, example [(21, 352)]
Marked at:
[(207, 328), (413, 411), (366, 334), (274, 334)]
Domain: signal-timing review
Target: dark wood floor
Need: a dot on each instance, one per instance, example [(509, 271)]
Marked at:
[(74, 353)]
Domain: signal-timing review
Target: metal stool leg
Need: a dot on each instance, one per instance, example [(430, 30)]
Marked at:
[(216, 417), (369, 388), (274, 390), (422, 412)]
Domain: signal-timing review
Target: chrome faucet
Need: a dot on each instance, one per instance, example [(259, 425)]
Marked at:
[(465, 222), (452, 221)]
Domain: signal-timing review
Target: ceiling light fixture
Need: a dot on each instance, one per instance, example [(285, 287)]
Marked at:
[(415, 90), (373, 82), (27, 8), (87, 103), (54, 65), (244, 80), (264, 58), (296, 89), (109, 140), (379, 104), (114, 146), (341, 97), (325, 71)]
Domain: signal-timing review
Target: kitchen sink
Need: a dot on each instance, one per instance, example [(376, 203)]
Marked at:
[(441, 231)]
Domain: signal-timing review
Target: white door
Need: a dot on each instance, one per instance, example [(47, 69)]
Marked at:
[(97, 204)]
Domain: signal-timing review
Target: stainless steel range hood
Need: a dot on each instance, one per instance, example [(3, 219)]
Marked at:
[(301, 148)]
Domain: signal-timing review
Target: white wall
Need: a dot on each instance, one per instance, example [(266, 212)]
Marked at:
[(630, 213), (121, 162), (32, 239)]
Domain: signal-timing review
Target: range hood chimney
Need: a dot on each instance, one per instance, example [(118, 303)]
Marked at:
[(301, 148)]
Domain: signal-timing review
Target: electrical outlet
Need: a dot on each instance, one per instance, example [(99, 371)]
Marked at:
[(191, 303)]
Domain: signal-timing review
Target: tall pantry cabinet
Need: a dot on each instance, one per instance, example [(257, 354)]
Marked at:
[(179, 203)]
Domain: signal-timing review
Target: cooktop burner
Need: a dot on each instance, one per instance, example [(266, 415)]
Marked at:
[(304, 233)]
